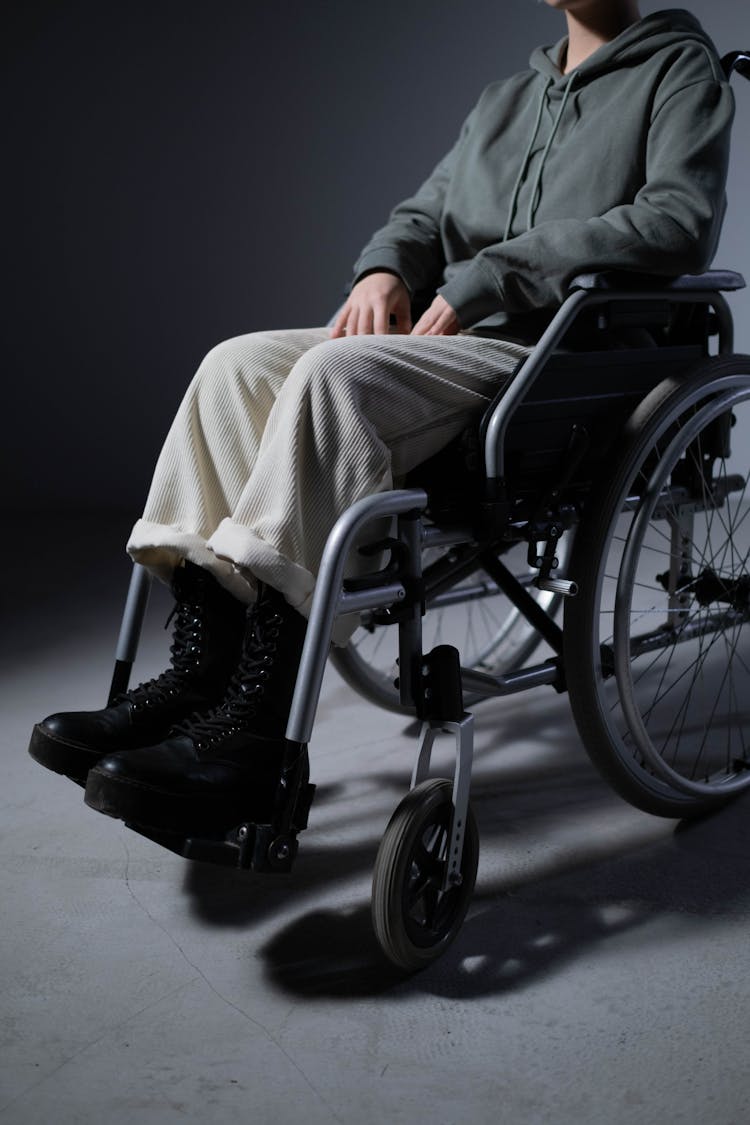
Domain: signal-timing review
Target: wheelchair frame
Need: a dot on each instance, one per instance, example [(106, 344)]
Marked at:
[(432, 685)]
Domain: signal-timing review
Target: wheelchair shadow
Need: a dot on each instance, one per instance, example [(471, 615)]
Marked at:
[(524, 923), (515, 937), (229, 898)]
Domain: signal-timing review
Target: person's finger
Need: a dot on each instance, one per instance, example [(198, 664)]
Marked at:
[(381, 317), (444, 319), (364, 322), (424, 324), (440, 324), (339, 325), (402, 312), (451, 326)]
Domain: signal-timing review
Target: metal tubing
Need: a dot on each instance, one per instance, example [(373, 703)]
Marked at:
[(133, 614), (356, 601), (410, 627), (463, 731), (327, 599), (494, 446), (421, 769), (494, 453), (446, 537), (726, 324), (464, 594), (522, 600), (510, 683)]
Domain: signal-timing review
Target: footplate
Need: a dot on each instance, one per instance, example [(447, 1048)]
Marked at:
[(264, 848)]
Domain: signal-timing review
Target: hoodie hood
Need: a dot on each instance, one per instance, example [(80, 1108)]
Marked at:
[(635, 44)]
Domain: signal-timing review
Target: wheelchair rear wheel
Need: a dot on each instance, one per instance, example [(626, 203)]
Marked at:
[(413, 917), (487, 629), (657, 643)]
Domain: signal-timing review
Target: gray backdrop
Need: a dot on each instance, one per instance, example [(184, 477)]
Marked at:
[(178, 172)]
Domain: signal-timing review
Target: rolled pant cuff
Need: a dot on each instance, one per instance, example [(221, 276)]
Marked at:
[(241, 546), (161, 547)]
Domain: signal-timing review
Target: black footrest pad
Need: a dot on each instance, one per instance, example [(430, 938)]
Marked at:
[(265, 848)]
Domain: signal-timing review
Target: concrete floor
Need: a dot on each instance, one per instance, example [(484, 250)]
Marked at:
[(601, 975)]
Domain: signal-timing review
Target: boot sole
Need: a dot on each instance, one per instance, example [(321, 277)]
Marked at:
[(158, 808), (62, 757)]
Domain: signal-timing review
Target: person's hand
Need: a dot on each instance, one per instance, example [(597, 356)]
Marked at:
[(370, 305), (438, 320)]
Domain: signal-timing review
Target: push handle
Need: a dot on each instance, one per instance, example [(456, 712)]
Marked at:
[(736, 60)]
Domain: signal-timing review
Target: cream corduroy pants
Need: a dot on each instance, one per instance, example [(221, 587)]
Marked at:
[(280, 432)]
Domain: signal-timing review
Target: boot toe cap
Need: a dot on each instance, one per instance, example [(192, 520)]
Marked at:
[(100, 729), (166, 765), (68, 726)]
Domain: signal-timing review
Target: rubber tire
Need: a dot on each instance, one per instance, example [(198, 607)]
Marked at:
[(429, 803), (634, 784)]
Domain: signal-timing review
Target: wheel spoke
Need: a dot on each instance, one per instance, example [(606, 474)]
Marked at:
[(666, 574), (712, 542)]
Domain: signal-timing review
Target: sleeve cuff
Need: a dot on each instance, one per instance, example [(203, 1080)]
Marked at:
[(390, 260), (473, 294)]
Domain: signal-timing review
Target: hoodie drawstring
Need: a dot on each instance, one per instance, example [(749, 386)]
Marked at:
[(547, 147), (524, 162), (527, 155)]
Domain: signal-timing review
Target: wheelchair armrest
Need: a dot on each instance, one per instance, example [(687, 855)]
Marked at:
[(719, 280)]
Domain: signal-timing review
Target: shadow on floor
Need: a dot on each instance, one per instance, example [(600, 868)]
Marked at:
[(514, 938), (226, 897), (520, 927)]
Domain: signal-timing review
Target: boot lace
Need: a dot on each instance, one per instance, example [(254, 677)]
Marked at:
[(184, 659), (245, 689)]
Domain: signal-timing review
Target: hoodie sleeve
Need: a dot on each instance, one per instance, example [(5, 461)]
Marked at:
[(671, 227), (410, 243)]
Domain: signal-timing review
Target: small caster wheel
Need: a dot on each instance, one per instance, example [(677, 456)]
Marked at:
[(414, 919)]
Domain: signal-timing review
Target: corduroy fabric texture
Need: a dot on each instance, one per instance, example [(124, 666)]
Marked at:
[(280, 432)]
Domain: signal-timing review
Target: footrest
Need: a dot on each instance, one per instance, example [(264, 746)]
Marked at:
[(253, 847), (264, 848), (210, 847)]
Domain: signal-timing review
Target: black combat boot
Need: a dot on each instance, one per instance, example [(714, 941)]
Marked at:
[(206, 646), (224, 766)]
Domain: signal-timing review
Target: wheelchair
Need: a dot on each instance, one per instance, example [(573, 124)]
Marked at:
[(608, 484)]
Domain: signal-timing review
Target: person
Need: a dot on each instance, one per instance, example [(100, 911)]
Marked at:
[(609, 152)]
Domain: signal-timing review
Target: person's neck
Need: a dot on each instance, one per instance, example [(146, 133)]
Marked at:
[(588, 31)]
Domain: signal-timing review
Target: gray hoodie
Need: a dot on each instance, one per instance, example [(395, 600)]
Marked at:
[(619, 165)]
